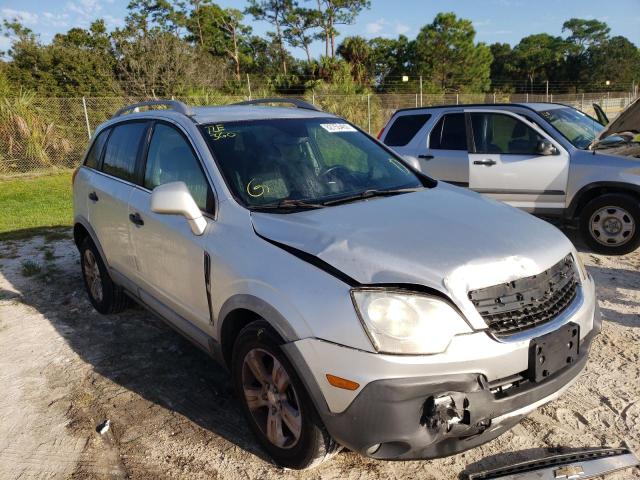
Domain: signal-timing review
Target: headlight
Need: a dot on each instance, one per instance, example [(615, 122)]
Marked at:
[(407, 323)]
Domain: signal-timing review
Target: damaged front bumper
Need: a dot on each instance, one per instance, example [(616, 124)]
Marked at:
[(437, 416)]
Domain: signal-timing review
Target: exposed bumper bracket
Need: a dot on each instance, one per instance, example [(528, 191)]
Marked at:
[(577, 465)]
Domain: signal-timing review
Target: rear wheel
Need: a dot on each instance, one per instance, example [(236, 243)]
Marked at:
[(105, 296), (275, 402), (610, 224)]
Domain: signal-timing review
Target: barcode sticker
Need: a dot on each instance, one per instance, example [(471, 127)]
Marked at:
[(337, 127)]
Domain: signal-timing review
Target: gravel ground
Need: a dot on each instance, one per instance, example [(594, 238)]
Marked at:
[(64, 369)]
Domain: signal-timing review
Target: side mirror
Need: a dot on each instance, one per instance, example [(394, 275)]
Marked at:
[(545, 147), (174, 199)]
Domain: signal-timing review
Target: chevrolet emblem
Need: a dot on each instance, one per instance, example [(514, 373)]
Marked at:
[(570, 472)]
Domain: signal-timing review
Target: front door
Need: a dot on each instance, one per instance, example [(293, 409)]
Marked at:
[(506, 162), (171, 259)]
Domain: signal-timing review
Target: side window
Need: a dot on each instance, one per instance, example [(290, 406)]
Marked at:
[(122, 150), (450, 133), (499, 133), (171, 159), (93, 157), (404, 129)]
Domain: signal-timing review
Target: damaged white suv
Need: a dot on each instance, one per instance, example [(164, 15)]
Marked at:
[(355, 301)]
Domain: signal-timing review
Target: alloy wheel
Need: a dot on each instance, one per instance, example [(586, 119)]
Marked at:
[(271, 398), (92, 275)]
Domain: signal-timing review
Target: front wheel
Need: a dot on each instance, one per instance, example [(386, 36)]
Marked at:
[(610, 224), (275, 402)]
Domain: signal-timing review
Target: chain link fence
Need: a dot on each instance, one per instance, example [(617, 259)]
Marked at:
[(44, 135)]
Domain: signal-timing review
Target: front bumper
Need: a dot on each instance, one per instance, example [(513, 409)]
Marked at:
[(441, 412)]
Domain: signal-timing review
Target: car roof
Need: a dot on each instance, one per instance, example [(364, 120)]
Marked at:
[(536, 106)]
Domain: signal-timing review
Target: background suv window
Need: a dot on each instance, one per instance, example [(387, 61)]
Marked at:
[(450, 133), (498, 133), (404, 129), (93, 157), (171, 159), (122, 150)]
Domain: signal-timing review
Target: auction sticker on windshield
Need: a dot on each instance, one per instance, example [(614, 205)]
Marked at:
[(337, 127)]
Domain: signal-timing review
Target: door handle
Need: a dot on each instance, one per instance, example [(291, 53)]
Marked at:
[(426, 157), (488, 163), (136, 219), (93, 197)]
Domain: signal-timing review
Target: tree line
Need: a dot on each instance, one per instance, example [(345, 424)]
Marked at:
[(194, 47)]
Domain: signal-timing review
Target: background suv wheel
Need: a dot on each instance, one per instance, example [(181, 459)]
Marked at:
[(610, 224), (105, 296), (275, 402)]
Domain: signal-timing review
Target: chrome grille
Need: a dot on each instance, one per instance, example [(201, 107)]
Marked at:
[(527, 302)]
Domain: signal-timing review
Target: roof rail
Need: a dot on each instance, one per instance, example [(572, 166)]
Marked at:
[(176, 105), (294, 101)]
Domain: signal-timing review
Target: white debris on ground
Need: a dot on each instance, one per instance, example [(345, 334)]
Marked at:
[(64, 369)]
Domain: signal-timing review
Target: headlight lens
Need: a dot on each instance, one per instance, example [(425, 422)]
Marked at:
[(407, 323)]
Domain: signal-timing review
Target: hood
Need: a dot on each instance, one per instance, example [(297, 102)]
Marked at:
[(627, 121), (445, 238)]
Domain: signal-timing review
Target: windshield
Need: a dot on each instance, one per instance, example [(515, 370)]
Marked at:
[(312, 160), (580, 129)]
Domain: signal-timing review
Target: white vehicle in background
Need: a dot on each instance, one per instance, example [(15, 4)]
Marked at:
[(545, 158)]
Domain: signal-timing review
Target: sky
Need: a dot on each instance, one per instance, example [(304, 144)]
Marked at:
[(494, 20)]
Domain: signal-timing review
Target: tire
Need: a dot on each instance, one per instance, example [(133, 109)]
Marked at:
[(105, 296), (258, 345), (610, 224)]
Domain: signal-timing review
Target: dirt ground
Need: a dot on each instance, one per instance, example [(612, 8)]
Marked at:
[(64, 369)]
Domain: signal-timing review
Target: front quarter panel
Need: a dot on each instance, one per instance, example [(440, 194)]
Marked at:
[(296, 298), (588, 169)]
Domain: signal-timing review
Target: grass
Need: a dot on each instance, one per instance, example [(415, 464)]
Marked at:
[(30, 268), (33, 204)]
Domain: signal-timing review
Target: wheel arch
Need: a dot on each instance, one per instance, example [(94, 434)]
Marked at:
[(242, 309), (81, 230), (596, 189)]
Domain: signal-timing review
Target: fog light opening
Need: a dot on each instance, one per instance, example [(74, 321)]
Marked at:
[(373, 449)]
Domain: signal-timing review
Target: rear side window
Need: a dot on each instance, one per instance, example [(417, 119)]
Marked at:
[(171, 159), (404, 129), (122, 150), (93, 157), (449, 133)]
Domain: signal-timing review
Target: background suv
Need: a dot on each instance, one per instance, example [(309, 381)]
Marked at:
[(538, 156), (355, 301)]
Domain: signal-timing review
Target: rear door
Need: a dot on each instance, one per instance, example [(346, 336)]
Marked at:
[(505, 162), (109, 192), (443, 152)]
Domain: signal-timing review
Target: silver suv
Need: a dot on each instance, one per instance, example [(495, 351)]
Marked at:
[(355, 301), (545, 158)]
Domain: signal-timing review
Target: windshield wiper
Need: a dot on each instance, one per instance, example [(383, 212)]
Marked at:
[(370, 194), (289, 204)]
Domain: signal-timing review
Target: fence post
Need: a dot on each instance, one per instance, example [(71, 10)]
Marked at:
[(552, 98), (86, 117), (421, 90), (457, 99), (582, 103), (249, 86), (369, 111), (527, 97), (494, 97), (416, 99), (313, 97)]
